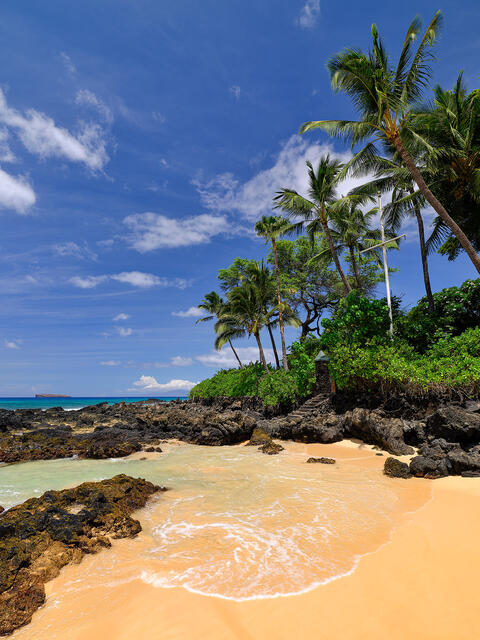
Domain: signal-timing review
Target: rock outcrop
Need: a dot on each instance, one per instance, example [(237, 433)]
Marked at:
[(396, 425), (40, 536), (103, 431), (264, 442), (321, 460), (396, 469)]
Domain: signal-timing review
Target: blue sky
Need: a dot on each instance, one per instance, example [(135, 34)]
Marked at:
[(139, 141)]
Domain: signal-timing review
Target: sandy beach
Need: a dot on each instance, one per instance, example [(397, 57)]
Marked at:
[(417, 580)]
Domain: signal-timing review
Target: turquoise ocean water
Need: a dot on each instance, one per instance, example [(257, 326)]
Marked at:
[(66, 403)]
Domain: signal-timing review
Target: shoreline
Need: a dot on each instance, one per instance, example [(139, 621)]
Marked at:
[(407, 587), (133, 606)]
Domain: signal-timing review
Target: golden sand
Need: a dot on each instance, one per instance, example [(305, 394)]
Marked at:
[(416, 578)]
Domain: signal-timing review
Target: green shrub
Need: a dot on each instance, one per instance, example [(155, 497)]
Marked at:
[(453, 363), (301, 361), (456, 310), (356, 321), (278, 388), (230, 382)]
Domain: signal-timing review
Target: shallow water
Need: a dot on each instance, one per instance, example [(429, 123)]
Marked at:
[(68, 403), (236, 524)]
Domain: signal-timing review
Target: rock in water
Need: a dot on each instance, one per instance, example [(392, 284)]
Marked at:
[(322, 460), (271, 448), (396, 469), (40, 536), (264, 442)]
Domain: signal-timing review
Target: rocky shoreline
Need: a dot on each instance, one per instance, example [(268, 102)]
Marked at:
[(444, 433), (42, 535)]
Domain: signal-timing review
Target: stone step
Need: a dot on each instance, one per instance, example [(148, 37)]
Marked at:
[(309, 406)]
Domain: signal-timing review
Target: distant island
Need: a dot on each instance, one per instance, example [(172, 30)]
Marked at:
[(51, 395)]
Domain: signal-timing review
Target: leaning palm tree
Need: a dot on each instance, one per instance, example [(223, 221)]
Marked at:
[(247, 309), (217, 308), (451, 127), (385, 97), (271, 228), (406, 201), (313, 211)]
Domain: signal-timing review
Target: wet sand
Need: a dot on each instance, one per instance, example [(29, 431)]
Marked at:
[(418, 579)]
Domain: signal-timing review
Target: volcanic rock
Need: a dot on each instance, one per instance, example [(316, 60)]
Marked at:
[(40, 536), (396, 469)]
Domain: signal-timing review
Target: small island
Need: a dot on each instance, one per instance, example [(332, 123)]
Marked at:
[(51, 395)]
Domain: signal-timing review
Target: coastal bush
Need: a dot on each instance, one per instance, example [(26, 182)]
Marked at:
[(278, 388), (301, 361), (356, 321), (230, 382), (452, 363), (456, 310)]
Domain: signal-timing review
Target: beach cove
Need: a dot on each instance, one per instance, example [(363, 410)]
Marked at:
[(329, 558)]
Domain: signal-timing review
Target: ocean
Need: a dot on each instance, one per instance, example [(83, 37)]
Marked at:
[(69, 403)]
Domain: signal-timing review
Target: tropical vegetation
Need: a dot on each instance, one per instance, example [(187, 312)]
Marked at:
[(325, 262)]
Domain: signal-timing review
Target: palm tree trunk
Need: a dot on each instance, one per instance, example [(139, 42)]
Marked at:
[(260, 351), (326, 231), (423, 251), (235, 354), (436, 204), (274, 346), (280, 314), (355, 268)]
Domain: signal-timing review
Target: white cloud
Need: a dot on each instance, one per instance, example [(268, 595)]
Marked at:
[(225, 194), (87, 282), (75, 250), (225, 357), (192, 312), (135, 278), (6, 154), (151, 231), (309, 14), (145, 280), (180, 361), (121, 316), (87, 98), (41, 136), (124, 331), (15, 193), (110, 363), (12, 344), (149, 383), (235, 91), (68, 64)]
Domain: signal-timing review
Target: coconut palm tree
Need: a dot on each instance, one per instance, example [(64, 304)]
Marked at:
[(450, 131), (406, 201), (217, 308), (385, 97), (247, 309), (313, 211), (350, 230), (271, 228), (242, 270)]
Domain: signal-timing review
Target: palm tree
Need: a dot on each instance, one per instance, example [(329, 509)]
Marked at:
[(313, 211), (450, 132), (242, 270), (247, 309), (385, 98), (350, 231), (216, 307), (271, 228), (406, 201)]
